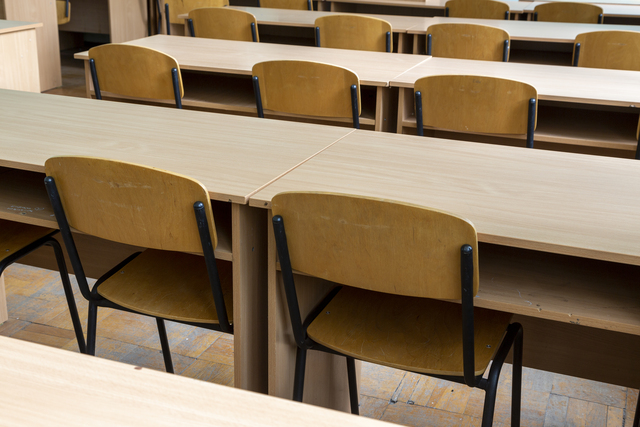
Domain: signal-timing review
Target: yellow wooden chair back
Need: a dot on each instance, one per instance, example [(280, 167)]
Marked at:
[(307, 88), (61, 9), (467, 41), (180, 7), (223, 23), (618, 50), (135, 71), (131, 204), (285, 4), (480, 9), (376, 244), (343, 31), (475, 103), (568, 12)]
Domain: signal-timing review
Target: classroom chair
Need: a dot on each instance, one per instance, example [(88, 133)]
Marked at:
[(481, 9), (63, 8), (617, 50), (357, 32), (468, 41), (173, 8), (286, 4), (176, 277), (135, 71), (476, 104), (307, 88), (18, 240), (584, 13), (223, 23), (394, 265)]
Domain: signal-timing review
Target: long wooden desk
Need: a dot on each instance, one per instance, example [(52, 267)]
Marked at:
[(401, 7), (19, 56), (609, 10), (47, 386), (586, 108), (558, 235), (232, 156), (224, 57)]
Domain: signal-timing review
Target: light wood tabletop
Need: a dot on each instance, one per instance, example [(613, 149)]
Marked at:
[(514, 6), (609, 9), (549, 32), (12, 26), (53, 387)]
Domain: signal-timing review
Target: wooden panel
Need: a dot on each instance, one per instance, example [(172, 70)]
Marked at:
[(135, 71), (179, 7), (89, 16), (568, 12), (14, 236), (376, 244), (285, 4), (467, 41), (223, 23), (618, 50), (483, 9), (131, 204), (475, 103), (18, 52), (127, 20), (47, 36), (4, 313), (353, 32), (304, 87)]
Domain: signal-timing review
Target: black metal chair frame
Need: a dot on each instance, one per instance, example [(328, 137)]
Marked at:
[(600, 17), (66, 9), (388, 39), (95, 300), (513, 338), (506, 14), (354, 102), (48, 240), (531, 118), (174, 79), (505, 49), (254, 35)]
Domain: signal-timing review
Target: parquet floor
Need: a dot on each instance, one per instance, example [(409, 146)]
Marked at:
[(38, 313)]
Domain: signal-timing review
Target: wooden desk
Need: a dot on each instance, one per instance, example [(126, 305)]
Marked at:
[(19, 56), (232, 156), (43, 385), (400, 7), (609, 10), (235, 94), (588, 108), (543, 218), (47, 35)]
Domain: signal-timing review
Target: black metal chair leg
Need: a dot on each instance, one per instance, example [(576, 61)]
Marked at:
[(92, 323), (353, 385), (298, 380), (489, 403), (516, 382), (164, 343), (68, 293)]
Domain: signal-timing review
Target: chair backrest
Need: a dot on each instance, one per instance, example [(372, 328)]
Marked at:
[(481, 9), (180, 7), (286, 4), (63, 9), (307, 88), (224, 23), (131, 204), (618, 50), (376, 244), (568, 12), (135, 71), (468, 41), (476, 103), (350, 31)]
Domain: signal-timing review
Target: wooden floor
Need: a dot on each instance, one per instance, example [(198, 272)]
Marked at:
[(38, 313)]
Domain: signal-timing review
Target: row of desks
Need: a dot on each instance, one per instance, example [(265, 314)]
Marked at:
[(559, 231), (581, 108)]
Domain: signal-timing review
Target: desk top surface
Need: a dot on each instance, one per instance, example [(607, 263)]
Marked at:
[(554, 32), (554, 83), (514, 6), (53, 387), (549, 201), (618, 10), (234, 57), (232, 156), (13, 26)]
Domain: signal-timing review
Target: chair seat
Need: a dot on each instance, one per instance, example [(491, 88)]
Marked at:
[(171, 285), (414, 334), (15, 236)]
